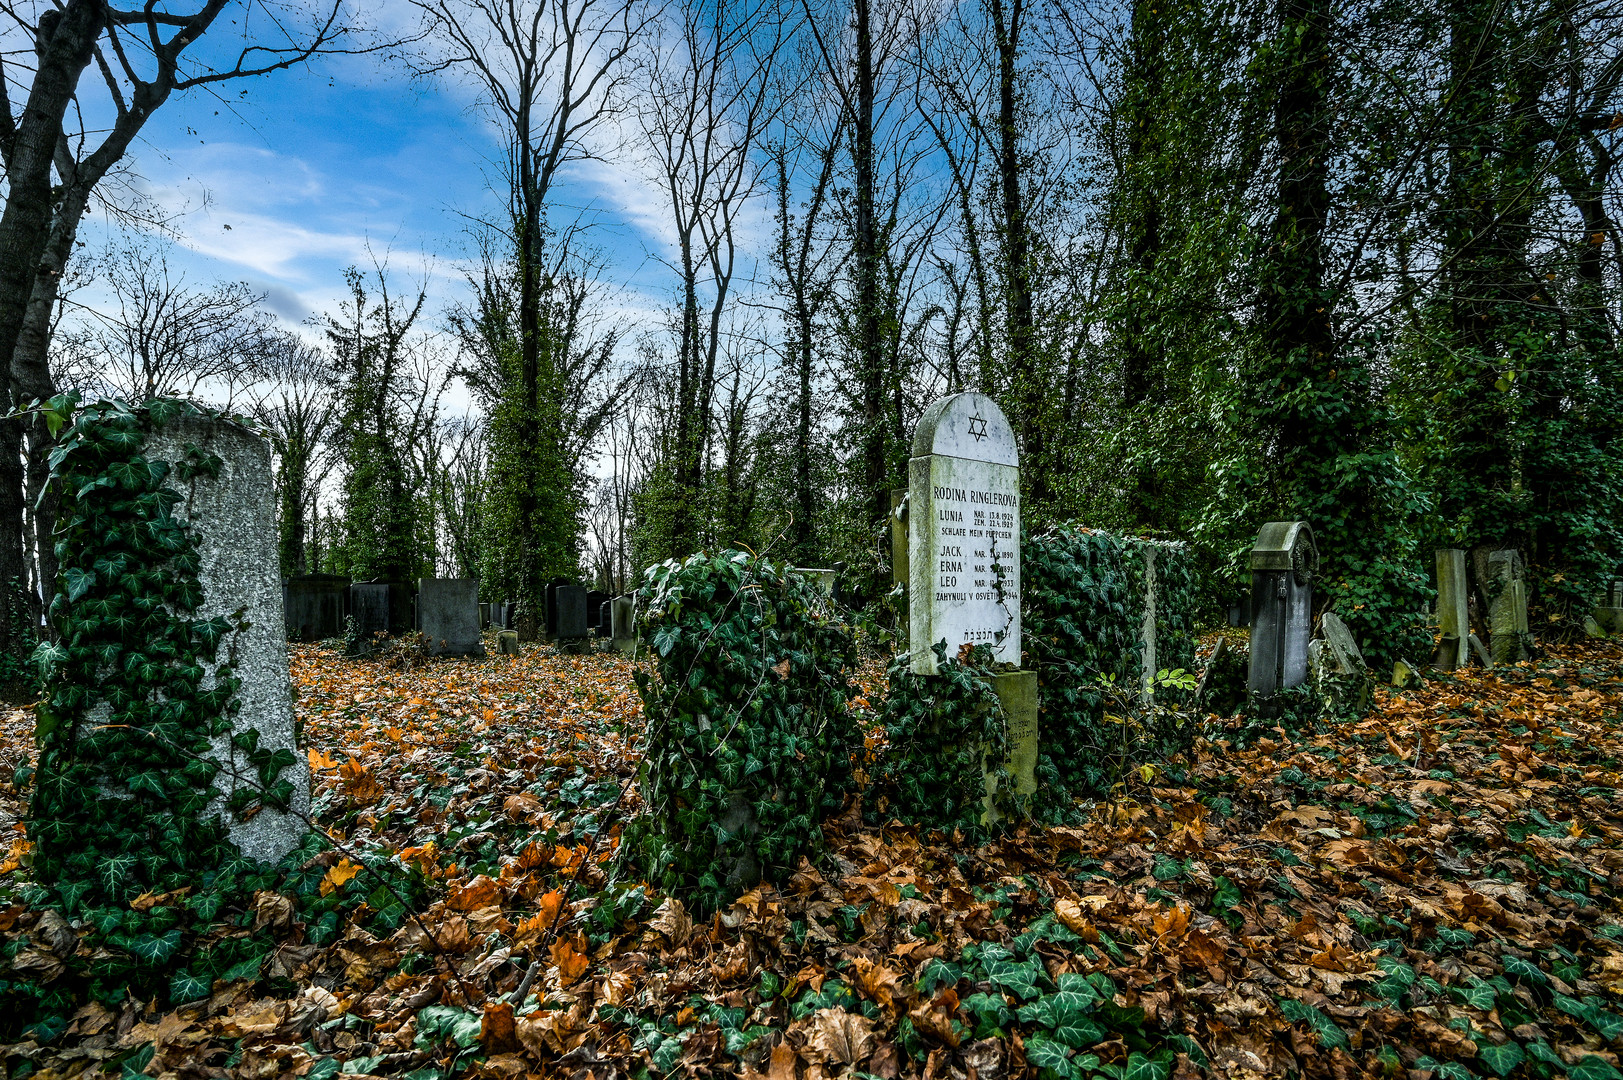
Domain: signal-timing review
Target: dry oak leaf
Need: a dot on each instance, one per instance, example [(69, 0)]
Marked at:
[(881, 984), (570, 956), (781, 1066), (935, 1017), (672, 922), (481, 892), (497, 1033), (1069, 913), (836, 1037), (274, 910), (523, 807)]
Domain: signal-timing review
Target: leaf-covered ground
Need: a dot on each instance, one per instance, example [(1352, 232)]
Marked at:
[(1432, 890)]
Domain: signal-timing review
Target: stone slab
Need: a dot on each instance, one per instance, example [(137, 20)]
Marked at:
[(623, 623), (569, 611), (1344, 650), (1453, 609), (232, 517), (1284, 561), (964, 532), (448, 616), (313, 606)]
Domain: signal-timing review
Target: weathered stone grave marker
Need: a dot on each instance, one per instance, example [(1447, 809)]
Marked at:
[(594, 611), (964, 525), (369, 610), (569, 615), (231, 518), (1453, 610), (1507, 607), (623, 623), (448, 616), (1283, 562), (313, 606), (963, 514)]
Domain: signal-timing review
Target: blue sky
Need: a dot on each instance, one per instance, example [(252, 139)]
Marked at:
[(288, 185)]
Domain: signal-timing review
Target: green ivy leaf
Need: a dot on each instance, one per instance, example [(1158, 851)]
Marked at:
[(1501, 1058), (1050, 1055)]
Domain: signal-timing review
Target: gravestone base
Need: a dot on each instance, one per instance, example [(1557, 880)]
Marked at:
[(1017, 693)]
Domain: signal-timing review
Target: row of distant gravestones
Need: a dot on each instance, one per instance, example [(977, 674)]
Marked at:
[(316, 607)]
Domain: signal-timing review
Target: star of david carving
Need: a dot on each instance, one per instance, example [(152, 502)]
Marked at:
[(977, 428)]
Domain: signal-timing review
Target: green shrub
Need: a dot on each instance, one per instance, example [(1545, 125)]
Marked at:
[(750, 739)]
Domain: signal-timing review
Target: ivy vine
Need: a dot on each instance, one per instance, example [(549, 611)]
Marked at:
[(941, 732)]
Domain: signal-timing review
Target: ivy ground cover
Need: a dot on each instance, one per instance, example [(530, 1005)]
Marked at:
[(1432, 891)]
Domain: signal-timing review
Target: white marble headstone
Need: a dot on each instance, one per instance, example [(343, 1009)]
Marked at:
[(964, 531)]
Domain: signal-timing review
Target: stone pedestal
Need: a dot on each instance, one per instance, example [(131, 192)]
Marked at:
[(963, 507), (448, 616), (1017, 693), (1453, 610), (1283, 563), (232, 518)]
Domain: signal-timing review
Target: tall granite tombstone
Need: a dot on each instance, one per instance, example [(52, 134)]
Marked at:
[(1283, 562), (484, 616), (964, 531), (594, 612), (549, 603), (1453, 610), (232, 517), (313, 605), (448, 616), (963, 514), (369, 609), (569, 609), (1507, 607)]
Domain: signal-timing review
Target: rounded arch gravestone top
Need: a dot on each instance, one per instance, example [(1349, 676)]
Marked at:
[(963, 531)]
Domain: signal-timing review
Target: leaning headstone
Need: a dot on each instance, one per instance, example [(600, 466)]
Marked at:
[(1507, 607), (622, 623), (313, 606), (964, 532), (1453, 610), (369, 612), (1338, 669), (824, 579), (1283, 562), (569, 611), (448, 616)]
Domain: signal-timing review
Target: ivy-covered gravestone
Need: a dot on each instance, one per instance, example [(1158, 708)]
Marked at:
[(750, 742), (166, 738)]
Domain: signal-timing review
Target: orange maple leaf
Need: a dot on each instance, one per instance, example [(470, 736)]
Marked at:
[(338, 876)]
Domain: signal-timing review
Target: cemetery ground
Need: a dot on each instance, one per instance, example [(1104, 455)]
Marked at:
[(1432, 890)]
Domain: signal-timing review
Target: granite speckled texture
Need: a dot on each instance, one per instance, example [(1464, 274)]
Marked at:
[(231, 516)]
